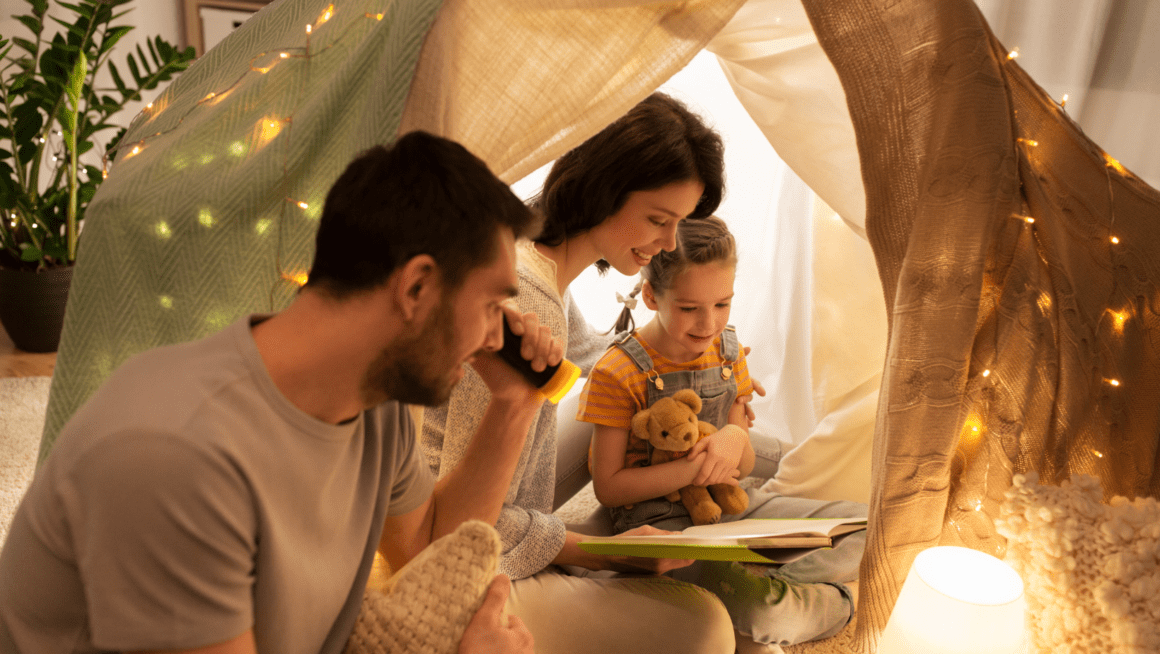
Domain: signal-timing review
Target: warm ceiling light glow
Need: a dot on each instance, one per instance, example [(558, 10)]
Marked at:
[(957, 601)]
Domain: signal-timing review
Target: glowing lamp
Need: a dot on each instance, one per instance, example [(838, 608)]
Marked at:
[(957, 601)]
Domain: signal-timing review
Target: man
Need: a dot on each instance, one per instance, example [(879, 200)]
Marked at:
[(227, 496)]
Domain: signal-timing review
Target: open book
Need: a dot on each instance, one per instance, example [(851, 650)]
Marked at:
[(755, 540)]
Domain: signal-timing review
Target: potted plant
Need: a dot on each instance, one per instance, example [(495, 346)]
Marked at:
[(53, 108)]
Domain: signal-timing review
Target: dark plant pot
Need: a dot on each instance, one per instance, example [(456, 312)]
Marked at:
[(32, 306)]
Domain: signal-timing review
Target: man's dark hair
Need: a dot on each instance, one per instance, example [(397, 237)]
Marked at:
[(657, 143), (422, 195)]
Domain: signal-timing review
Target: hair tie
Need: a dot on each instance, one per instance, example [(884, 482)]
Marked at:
[(628, 302)]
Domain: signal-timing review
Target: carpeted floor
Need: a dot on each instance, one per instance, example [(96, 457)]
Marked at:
[(22, 405)]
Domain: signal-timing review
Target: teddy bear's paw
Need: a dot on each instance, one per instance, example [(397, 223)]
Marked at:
[(429, 602), (706, 514), (731, 499)]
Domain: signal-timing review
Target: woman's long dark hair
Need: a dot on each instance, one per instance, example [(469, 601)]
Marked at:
[(657, 143)]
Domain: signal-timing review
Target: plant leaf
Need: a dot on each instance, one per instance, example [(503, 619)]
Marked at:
[(33, 25), (31, 253), (112, 36)]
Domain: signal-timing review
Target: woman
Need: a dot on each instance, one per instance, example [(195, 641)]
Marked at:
[(614, 201)]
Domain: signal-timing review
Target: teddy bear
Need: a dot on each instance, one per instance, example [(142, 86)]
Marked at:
[(671, 426)]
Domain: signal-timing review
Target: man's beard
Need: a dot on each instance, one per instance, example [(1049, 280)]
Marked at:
[(416, 368)]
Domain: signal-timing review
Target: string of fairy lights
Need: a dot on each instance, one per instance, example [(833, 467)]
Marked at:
[(975, 426), (267, 129)]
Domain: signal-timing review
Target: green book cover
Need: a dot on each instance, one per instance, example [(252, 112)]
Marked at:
[(754, 540)]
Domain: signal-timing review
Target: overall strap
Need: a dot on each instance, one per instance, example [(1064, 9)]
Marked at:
[(635, 351), (730, 348)]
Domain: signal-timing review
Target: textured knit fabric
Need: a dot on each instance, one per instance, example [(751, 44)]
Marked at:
[(189, 501), (428, 604), (1022, 336), (215, 215), (531, 535), (1091, 570)]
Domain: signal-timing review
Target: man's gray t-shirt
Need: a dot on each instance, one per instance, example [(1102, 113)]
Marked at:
[(189, 501)]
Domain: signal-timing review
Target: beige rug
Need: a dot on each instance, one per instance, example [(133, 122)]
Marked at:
[(22, 404)]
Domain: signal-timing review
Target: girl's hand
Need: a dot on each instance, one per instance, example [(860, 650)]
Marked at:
[(741, 414), (721, 453)]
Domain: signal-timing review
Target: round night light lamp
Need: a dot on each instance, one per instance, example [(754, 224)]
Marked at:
[(957, 601)]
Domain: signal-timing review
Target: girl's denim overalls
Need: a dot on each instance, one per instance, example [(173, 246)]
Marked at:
[(717, 388)]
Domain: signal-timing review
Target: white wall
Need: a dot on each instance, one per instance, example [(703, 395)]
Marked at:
[(150, 18)]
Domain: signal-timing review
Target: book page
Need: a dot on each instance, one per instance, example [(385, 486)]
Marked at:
[(766, 527)]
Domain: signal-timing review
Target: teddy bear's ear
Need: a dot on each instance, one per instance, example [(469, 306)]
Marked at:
[(640, 424), (689, 397)]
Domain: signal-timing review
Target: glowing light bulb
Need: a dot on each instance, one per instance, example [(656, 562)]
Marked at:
[(165, 301), (205, 217), (986, 373), (379, 16), (1014, 54), (42, 139), (308, 28), (135, 150), (149, 106), (300, 278), (284, 55), (1063, 102), (1113, 382), (1115, 239), (1032, 142), (162, 229), (1098, 453), (1114, 165), (326, 14), (303, 205)]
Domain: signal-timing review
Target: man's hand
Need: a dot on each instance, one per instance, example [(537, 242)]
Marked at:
[(491, 631), (537, 345), (721, 453)]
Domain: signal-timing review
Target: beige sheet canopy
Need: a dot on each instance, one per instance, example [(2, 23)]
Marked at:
[(1018, 262)]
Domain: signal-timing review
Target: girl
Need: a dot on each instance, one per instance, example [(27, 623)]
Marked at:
[(689, 344)]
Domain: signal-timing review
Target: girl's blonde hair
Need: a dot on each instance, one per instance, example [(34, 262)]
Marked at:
[(699, 241)]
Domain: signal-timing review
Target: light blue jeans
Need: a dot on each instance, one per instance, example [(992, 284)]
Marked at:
[(797, 602)]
